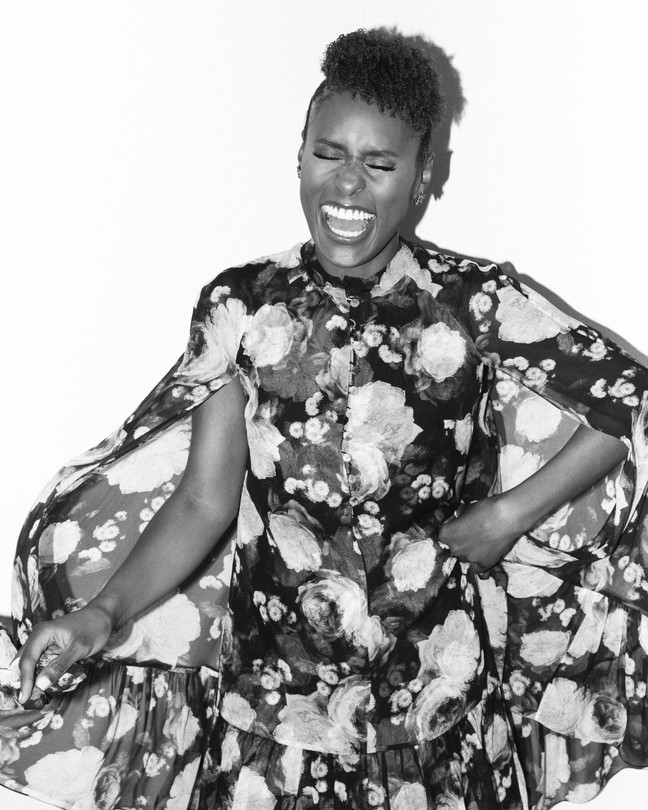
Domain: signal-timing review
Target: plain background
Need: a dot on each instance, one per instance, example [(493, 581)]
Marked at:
[(145, 146)]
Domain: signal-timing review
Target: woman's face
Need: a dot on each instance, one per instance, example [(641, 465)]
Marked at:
[(359, 176)]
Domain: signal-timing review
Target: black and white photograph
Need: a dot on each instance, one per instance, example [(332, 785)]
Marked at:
[(326, 405)]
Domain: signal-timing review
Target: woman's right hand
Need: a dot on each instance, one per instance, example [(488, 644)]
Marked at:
[(70, 638)]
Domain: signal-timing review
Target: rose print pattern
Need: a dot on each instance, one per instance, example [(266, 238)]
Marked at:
[(123, 735), (360, 664), (573, 666)]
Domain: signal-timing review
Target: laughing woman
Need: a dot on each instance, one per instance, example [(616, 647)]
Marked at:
[(401, 435)]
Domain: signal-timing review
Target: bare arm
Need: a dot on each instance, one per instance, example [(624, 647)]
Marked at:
[(486, 530), (189, 524), (177, 539)]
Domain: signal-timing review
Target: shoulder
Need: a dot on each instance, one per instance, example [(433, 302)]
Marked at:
[(451, 264), (465, 282), (247, 281)]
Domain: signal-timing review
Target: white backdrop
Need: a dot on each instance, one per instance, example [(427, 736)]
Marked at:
[(146, 145)]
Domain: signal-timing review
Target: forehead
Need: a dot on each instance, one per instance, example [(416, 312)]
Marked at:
[(353, 123)]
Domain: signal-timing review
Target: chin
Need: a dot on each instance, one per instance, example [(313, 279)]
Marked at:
[(344, 256), (348, 256)]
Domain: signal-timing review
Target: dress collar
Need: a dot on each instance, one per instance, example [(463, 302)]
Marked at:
[(351, 285)]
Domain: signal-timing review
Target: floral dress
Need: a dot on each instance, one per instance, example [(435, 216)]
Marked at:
[(361, 665)]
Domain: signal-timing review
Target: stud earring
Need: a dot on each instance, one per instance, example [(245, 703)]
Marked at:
[(418, 200), (298, 171)]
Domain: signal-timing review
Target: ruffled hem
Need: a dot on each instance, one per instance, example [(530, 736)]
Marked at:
[(127, 736), (573, 771), (584, 719), (470, 767)]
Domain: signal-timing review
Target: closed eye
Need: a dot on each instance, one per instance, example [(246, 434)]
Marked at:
[(376, 166)]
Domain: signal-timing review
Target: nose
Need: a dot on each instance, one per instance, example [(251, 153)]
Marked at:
[(350, 177)]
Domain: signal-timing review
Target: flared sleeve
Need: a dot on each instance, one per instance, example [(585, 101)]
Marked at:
[(132, 721), (576, 659)]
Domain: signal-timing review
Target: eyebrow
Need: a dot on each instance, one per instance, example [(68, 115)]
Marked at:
[(370, 153)]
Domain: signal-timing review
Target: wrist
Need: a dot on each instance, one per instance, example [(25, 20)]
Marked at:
[(108, 606), (517, 512)]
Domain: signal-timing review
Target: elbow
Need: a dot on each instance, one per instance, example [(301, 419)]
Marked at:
[(220, 508)]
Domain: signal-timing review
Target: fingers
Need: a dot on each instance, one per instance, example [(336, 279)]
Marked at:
[(35, 646), (56, 668), (477, 564), (37, 652), (484, 568)]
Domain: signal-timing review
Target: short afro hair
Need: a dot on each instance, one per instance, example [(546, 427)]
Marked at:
[(384, 69)]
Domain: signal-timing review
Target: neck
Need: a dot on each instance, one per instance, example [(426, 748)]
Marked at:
[(365, 270)]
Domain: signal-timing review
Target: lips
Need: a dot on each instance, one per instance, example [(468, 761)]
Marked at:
[(346, 222)]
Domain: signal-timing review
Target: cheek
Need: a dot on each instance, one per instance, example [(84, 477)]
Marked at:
[(310, 187), (307, 195), (394, 202)]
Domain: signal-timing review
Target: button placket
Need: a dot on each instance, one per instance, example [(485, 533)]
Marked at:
[(347, 435)]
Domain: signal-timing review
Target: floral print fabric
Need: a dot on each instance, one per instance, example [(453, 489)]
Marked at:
[(465, 767), (361, 663), (128, 736)]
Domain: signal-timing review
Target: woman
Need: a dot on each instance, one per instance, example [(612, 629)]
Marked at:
[(352, 402)]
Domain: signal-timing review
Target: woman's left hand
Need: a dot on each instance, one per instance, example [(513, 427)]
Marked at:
[(484, 532)]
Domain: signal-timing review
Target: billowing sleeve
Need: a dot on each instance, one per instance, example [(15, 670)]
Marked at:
[(159, 671), (567, 362), (551, 373), (576, 661), (220, 316), (210, 359)]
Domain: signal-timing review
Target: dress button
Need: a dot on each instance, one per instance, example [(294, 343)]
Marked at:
[(346, 516), (353, 389), (351, 479), (346, 458), (354, 501), (354, 302), (347, 434)]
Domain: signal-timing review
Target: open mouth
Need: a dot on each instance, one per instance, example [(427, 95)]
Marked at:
[(347, 223)]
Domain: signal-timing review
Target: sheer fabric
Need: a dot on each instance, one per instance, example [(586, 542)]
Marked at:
[(362, 666)]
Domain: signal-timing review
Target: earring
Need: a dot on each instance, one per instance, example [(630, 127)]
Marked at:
[(418, 200), (299, 170)]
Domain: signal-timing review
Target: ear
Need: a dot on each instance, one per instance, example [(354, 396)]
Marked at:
[(300, 154), (425, 177)]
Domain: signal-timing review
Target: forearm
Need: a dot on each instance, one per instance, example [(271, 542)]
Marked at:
[(486, 530), (586, 458), (177, 539)]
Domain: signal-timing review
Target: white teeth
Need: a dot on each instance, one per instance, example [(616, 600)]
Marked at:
[(347, 234), (346, 213)]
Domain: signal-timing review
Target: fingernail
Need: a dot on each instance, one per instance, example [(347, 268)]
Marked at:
[(43, 683), (21, 697)]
